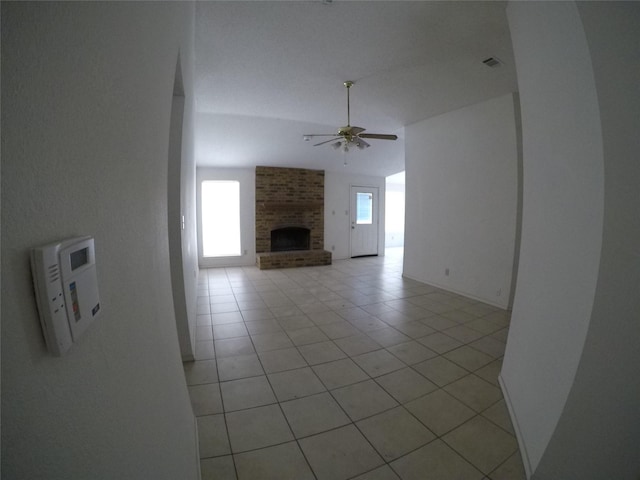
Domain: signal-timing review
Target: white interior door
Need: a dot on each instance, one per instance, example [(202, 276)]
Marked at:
[(364, 221)]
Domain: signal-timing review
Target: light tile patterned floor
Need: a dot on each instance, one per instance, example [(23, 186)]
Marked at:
[(347, 371)]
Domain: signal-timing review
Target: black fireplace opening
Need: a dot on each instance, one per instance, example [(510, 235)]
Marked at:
[(290, 238)]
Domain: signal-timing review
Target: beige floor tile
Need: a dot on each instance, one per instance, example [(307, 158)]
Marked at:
[(356, 344), (378, 362), (474, 392), (335, 327), (226, 317), (463, 333), (203, 333), (257, 428), (480, 309), (229, 330), (256, 314), (281, 360), (395, 433), (263, 326), (280, 462), (368, 323), (363, 399), (440, 370), (439, 342), (440, 412), (246, 393), (380, 473), (411, 352), (501, 335), (438, 323), (490, 346), (212, 436), (307, 335), (321, 352), (314, 414), (290, 310), (201, 372), (295, 322), (224, 307), (205, 399), (219, 468), (340, 454), (339, 373), (339, 329), (490, 372), (482, 443), (405, 384), (499, 414), (512, 469), (240, 366), (295, 383), (233, 346), (483, 325), (388, 337), (459, 316), (439, 460), (414, 329), (265, 342), (205, 350), (469, 358), (325, 317)]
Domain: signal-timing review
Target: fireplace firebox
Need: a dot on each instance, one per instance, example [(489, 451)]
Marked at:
[(290, 238)]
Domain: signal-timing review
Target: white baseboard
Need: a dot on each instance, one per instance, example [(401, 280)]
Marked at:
[(514, 421), (195, 425), (488, 301)]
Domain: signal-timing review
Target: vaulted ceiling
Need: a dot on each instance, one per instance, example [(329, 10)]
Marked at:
[(269, 72)]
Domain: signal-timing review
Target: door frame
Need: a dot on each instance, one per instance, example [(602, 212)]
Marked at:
[(376, 215)]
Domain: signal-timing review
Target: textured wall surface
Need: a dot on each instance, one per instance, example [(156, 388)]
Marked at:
[(289, 197)]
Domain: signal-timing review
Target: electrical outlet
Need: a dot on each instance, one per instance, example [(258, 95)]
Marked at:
[(446, 272), (499, 292)]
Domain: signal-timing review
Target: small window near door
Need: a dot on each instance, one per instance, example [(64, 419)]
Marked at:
[(364, 208), (220, 218)]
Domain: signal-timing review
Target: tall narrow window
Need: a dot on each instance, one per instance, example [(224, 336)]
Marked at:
[(220, 218)]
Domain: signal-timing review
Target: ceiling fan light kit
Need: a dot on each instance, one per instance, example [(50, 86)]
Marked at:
[(350, 136)]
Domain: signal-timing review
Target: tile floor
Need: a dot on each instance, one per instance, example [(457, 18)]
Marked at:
[(347, 371)]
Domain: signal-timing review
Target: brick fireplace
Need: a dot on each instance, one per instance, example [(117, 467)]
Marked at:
[(290, 202)]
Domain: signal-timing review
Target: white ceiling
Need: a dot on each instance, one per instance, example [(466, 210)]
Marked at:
[(268, 72)]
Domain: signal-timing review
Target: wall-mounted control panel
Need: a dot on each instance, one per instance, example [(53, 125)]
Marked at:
[(66, 286)]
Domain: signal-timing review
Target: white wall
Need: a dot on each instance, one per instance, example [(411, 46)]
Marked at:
[(86, 97), (247, 179), (461, 200), (337, 207), (571, 367)]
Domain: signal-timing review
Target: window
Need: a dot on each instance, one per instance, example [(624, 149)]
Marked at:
[(364, 208), (220, 218)]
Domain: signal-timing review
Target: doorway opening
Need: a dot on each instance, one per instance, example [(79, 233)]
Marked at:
[(394, 214)]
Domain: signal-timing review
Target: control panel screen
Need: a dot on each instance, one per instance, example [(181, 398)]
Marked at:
[(79, 258)]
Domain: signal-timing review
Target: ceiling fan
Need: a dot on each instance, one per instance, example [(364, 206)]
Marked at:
[(349, 136)]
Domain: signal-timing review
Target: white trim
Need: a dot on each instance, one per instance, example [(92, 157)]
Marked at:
[(516, 427)]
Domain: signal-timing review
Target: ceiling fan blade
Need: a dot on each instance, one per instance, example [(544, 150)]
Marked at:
[(356, 130), (311, 135), (379, 136), (326, 141)]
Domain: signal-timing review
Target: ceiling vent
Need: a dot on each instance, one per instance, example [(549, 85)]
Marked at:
[(492, 62)]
